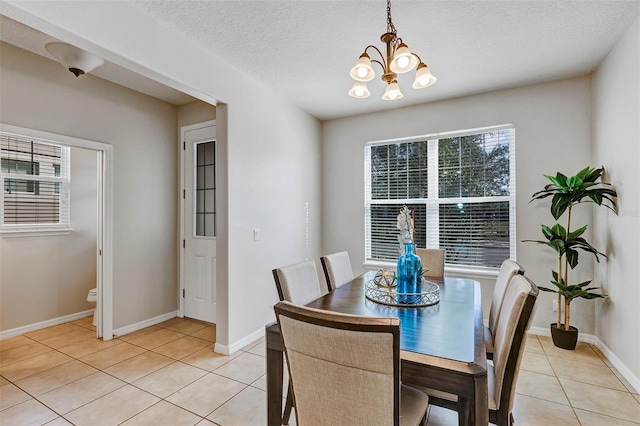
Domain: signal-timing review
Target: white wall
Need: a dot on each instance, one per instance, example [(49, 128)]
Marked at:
[(40, 94), (553, 133), (616, 135), (47, 277), (273, 149), (195, 112)]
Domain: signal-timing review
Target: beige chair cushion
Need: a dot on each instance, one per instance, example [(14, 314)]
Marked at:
[(433, 260), (413, 404), (508, 269), (319, 357), (299, 282), (337, 269), (512, 307), (346, 377)]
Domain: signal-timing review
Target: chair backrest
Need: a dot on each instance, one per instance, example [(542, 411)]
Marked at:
[(510, 337), (337, 269), (433, 260), (345, 369), (298, 283), (508, 269)]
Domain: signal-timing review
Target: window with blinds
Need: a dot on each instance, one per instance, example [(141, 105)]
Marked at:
[(34, 184), (460, 187)]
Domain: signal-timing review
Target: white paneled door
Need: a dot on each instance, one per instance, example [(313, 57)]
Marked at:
[(200, 223)]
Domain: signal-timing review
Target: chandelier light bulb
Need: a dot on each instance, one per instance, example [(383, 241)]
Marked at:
[(403, 60), (359, 90), (362, 70), (424, 78), (392, 92)]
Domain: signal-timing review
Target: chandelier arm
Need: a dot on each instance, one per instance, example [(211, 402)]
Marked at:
[(383, 63), (414, 54), (379, 63)]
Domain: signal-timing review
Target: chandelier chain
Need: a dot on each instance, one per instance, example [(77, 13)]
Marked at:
[(390, 27)]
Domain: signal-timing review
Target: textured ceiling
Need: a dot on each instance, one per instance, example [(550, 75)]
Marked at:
[(305, 48)]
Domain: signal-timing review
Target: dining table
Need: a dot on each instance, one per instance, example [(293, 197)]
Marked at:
[(441, 346)]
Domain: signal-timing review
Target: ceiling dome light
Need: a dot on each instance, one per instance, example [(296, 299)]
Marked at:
[(392, 92), (359, 90), (424, 78), (403, 60), (362, 70), (74, 59)]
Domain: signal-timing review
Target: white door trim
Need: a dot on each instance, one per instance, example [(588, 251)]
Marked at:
[(104, 283), (181, 218)]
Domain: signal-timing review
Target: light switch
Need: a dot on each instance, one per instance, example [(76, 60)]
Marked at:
[(256, 234)]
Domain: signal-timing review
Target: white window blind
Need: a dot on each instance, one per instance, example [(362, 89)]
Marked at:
[(34, 184), (460, 187)]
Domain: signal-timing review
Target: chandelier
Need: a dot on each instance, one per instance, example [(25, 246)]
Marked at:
[(398, 60)]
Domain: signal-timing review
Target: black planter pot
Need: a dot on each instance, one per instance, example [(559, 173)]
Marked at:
[(562, 338)]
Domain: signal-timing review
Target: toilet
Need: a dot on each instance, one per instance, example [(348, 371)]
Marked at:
[(93, 298)]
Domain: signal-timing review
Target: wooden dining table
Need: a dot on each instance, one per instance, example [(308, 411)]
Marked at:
[(442, 346)]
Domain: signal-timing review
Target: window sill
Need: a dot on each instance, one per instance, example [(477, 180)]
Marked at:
[(17, 233), (450, 270)]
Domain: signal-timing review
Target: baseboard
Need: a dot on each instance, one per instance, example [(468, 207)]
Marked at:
[(591, 339), (239, 344), (619, 365), (144, 324), (545, 331), (43, 324)]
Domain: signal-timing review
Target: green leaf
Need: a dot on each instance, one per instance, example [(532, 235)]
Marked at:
[(559, 231), (572, 257), (585, 174), (548, 233), (574, 182), (577, 233)]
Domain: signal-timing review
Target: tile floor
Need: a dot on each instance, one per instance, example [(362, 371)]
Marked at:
[(169, 375)]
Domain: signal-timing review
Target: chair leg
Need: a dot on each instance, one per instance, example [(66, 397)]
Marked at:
[(288, 406)]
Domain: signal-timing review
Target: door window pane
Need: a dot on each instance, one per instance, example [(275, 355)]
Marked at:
[(205, 189)]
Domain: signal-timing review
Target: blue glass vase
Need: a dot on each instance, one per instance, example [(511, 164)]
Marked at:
[(409, 275)]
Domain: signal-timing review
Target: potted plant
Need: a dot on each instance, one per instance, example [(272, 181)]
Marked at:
[(567, 192)]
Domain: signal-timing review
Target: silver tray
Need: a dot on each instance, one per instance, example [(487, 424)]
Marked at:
[(429, 296)]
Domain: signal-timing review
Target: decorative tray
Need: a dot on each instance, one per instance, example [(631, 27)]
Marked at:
[(387, 295)]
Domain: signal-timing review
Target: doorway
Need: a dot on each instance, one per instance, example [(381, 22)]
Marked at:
[(198, 224), (103, 248)]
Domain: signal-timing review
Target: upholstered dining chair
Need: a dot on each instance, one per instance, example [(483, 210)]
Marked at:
[(297, 283), (337, 269), (508, 269), (509, 341), (433, 260), (345, 369)]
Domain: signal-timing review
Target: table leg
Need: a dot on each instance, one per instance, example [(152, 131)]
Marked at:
[(465, 412), (274, 387), (475, 410)]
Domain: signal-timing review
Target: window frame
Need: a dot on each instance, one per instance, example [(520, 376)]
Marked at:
[(432, 202), (61, 183)]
